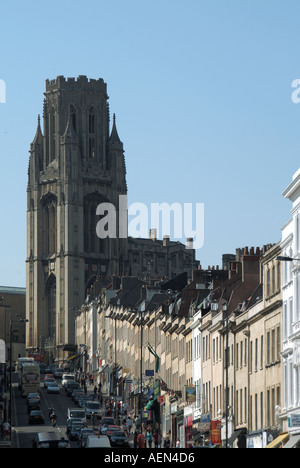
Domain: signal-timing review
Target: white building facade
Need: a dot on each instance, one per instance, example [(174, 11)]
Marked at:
[(290, 246)]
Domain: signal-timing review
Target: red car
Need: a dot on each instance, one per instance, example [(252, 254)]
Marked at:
[(48, 376), (105, 422), (111, 429)]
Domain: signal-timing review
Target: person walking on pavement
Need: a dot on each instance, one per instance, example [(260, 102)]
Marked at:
[(149, 438), (129, 424), (167, 443), (6, 429), (135, 435), (156, 439), (141, 440)]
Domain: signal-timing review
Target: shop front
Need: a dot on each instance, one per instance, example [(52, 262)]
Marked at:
[(180, 429), (260, 439), (188, 426)]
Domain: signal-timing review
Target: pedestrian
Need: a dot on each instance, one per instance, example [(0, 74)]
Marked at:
[(141, 440), (129, 424), (135, 435), (156, 439), (167, 443), (6, 429), (177, 443), (149, 438)]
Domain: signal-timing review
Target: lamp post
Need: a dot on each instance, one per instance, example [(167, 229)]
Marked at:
[(281, 258)]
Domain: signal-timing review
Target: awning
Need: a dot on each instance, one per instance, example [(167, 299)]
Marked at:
[(294, 439), (281, 439), (235, 435)]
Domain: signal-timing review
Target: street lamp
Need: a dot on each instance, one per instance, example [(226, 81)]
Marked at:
[(281, 258)]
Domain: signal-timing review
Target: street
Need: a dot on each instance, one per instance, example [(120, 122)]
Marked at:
[(23, 433)]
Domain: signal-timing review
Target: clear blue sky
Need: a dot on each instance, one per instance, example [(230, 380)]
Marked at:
[(202, 96)]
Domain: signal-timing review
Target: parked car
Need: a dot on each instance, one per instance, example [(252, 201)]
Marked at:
[(71, 422), (76, 413), (83, 400), (36, 416), (97, 442), (92, 407), (66, 378), (112, 429), (70, 386), (84, 433), (77, 397), (75, 430), (119, 438), (106, 421)]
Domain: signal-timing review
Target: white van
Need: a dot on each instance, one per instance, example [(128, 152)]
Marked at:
[(76, 413), (67, 377), (92, 407), (100, 441)]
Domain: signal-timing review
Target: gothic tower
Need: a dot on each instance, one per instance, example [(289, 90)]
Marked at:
[(75, 164)]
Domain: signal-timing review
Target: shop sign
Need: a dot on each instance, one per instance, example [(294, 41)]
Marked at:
[(215, 433), (203, 427), (190, 394), (173, 408), (294, 420), (188, 421), (205, 418), (197, 415)]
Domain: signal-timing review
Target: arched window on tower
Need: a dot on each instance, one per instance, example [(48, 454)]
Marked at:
[(92, 120), (92, 244), (49, 225), (52, 134), (51, 306), (73, 117)]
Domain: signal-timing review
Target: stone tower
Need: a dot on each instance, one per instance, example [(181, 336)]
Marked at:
[(75, 164)]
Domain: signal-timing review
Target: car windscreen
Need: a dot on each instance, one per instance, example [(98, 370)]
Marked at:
[(77, 414), (92, 405)]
